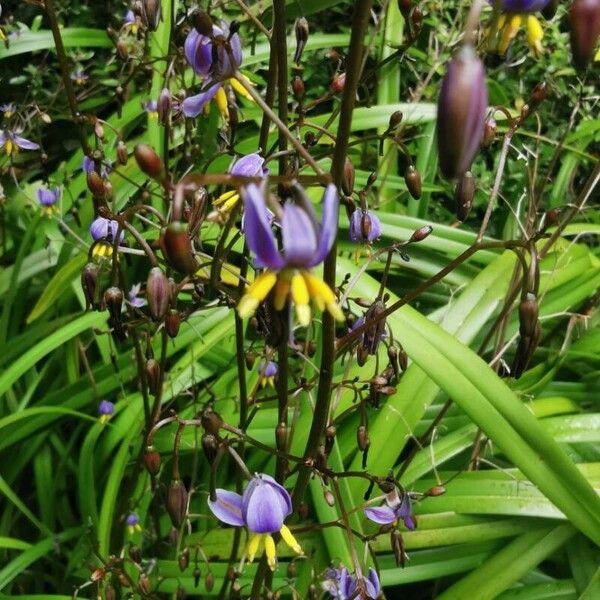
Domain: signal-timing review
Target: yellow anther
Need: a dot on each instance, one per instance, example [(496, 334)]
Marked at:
[(301, 298), (535, 34), (221, 100), (509, 31), (282, 289), (254, 545), (290, 540), (270, 551), (256, 293), (240, 89)]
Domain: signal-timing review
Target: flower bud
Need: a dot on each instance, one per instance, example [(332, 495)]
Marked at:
[(489, 132), (95, 184), (177, 498), (405, 6), (163, 106), (338, 83), (153, 375), (150, 14), (157, 292), (538, 95), (437, 490), (301, 30), (177, 247), (420, 234), (395, 120), (413, 181), (461, 112), (463, 195), (122, 154), (211, 421), (113, 299), (89, 283), (416, 18), (202, 23), (528, 315), (149, 162), (329, 438), (362, 438), (184, 559), (329, 497), (584, 18), (210, 446), (281, 437), (152, 460), (298, 87), (122, 50), (99, 130), (348, 177), (372, 179), (172, 323), (144, 583), (209, 581)]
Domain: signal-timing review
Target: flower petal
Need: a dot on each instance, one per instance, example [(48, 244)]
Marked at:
[(381, 514), (261, 507), (355, 230), (250, 165), (257, 228), (299, 237), (227, 508), (329, 224), (25, 144), (372, 584), (194, 105), (286, 501)]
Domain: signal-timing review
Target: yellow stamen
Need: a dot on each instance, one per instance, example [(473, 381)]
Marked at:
[(290, 540), (535, 34), (509, 32), (256, 293), (270, 551), (254, 545), (240, 89), (10, 148), (226, 197), (221, 100), (322, 296), (301, 298), (282, 289)]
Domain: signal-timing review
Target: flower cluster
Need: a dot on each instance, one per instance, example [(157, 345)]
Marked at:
[(339, 583)]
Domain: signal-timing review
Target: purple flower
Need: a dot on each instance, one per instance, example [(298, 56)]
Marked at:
[(522, 6), (105, 410), (267, 372), (263, 508), (48, 198), (394, 509), (133, 523), (88, 165), (364, 226), (305, 245), (12, 143), (340, 584), (79, 76), (151, 107), (131, 22), (8, 109), (105, 229), (251, 165), (133, 296)]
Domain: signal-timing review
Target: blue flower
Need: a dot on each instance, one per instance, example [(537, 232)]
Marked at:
[(133, 523), (8, 109), (397, 507), (105, 410), (105, 229), (263, 508), (364, 226), (340, 584), (267, 372), (48, 198), (133, 296), (12, 142)]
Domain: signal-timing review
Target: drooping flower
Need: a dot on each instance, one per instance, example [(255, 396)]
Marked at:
[(396, 507), (151, 107), (267, 372), (340, 584), (79, 76), (12, 142), (8, 109), (133, 523), (131, 23), (263, 508), (134, 298), (371, 338), (215, 59), (305, 245), (48, 198), (105, 410), (251, 165), (105, 229), (365, 227), (89, 164)]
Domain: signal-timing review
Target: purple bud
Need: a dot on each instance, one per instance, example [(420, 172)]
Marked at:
[(106, 408), (461, 112), (584, 17), (157, 292), (463, 195)]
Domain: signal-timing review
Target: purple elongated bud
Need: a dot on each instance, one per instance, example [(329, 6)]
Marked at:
[(177, 247), (461, 112), (298, 87), (463, 195), (209, 581), (528, 315), (584, 18), (338, 83), (89, 284), (362, 438), (211, 421), (149, 162), (177, 498), (157, 292), (348, 178), (184, 559), (163, 106), (395, 120), (172, 323), (412, 178), (538, 95), (96, 185), (281, 437), (301, 30), (420, 234), (153, 375)]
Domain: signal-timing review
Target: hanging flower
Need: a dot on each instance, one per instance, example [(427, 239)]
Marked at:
[(305, 245), (103, 232), (48, 198), (133, 523), (12, 143), (251, 165), (8, 109), (365, 227), (79, 76), (134, 298), (262, 509), (267, 372), (215, 59), (340, 584), (88, 165), (151, 107), (105, 410), (397, 507), (131, 23)]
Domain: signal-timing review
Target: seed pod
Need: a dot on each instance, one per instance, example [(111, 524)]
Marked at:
[(301, 30), (122, 154), (202, 23), (211, 421), (177, 247), (528, 315), (150, 14), (153, 375), (149, 162), (420, 234), (584, 18), (298, 88), (281, 437), (413, 181), (461, 112), (177, 498), (463, 195), (338, 83), (489, 132), (113, 299), (172, 323), (348, 177), (163, 106), (152, 460), (95, 184), (89, 283), (184, 559), (362, 438), (210, 446)]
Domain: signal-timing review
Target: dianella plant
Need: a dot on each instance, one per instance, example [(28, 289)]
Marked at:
[(298, 299)]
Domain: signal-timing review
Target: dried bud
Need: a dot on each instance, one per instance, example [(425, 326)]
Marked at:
[(395, 120), (372, 336), (437, 490), (209, 581), (362, 438), (538, 95), (152, 460), (113, 299), (122, 154), (177, 498), (348, 177), (211, 421), (463, 195), (281, 437), (153, 375), (157, 291), (144, 583), (338, 83), (150, 14), (177, 247), (172, 323), (413, 181), (301, 30), (202, 23), (149, 162), (329, 497), (163, 106), (184, 559), (489, 132), (95, 184), (89, 283), (584, 18), (298, 87), (420, 234), (461, 112), (528, 315), (210, 446), (397, 544)]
